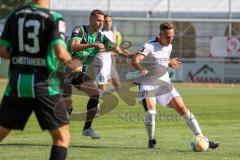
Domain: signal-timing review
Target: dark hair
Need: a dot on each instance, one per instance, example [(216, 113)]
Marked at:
[(95, 12), (166, 26), (107, 15)]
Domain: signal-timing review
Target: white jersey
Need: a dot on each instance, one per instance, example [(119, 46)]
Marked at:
[(157, 56), (106, 56), (103, 62), (108, 34)]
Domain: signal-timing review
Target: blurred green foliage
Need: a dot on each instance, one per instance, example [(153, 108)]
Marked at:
[(6, 7)]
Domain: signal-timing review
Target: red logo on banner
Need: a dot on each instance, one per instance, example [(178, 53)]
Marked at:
[(233, 46)]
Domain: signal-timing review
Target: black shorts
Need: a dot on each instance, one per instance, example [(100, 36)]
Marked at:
[(65, 84), (67, 80), (51, 112)]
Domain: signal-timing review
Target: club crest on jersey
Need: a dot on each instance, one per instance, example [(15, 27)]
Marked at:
[(77, 29)]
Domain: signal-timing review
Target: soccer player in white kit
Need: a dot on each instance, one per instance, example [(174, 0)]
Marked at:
[(104, 61), (157, 88)]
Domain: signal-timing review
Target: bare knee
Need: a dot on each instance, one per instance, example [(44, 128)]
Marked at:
[(3, 133), (178, 104), (149, 104), (61, 136)]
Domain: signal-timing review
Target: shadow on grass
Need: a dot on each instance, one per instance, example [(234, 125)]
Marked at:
[(106, 147), (24, 144), (71, 146), (183, 150)]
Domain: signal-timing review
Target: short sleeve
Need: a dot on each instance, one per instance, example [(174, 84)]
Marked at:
[(77, 33), (146, 49), (59, 29)]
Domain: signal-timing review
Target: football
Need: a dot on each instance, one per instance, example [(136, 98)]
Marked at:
[(199, 143)]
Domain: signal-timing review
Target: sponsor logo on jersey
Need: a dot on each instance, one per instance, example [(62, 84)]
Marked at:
[(62, 26)]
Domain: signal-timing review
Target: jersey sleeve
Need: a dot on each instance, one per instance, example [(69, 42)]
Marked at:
[(59, 28), (107, 42), (6, 36), (146, 49), (77, 33)]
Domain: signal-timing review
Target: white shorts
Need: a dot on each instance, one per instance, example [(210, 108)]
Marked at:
[(106, 74), (103, 76), (162, 95), (104, 68)]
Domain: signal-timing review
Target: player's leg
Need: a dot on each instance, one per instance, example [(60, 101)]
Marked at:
[(66, 89), (169, 96), (115, 77), (84, 83), (178, 104), (98, 69), (61, 140), (102, 78), (101, 86), (101, 81), (148, 98), (52, 115), (3, 132), (14, 113), (116, 83), (89, 87), (149, 105)]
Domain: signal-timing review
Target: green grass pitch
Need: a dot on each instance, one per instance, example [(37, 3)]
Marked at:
[(123, 136)]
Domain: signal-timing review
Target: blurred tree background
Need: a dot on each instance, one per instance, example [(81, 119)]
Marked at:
[(7, 6)]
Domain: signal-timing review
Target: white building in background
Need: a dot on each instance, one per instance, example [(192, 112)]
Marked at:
[(202, 31), (203, 23)]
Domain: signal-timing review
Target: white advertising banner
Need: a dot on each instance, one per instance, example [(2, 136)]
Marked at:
[(225, 46), (211, 73)]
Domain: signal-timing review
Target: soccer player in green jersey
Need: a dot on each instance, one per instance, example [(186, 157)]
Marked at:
[(32, 39), (85, 43)]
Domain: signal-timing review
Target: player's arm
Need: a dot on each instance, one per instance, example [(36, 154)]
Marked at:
[(76, 39), (139, 56), (123, 52), (136, 63), (57, 41), (174, 63), (112, 47), (77, 46), (4, 52), (63, 55)]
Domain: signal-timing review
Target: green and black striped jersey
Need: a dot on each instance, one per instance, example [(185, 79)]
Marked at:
[(31, 32), (86, 56)]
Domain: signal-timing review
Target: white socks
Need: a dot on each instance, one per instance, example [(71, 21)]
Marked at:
[(150, 123), (192, 123)]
